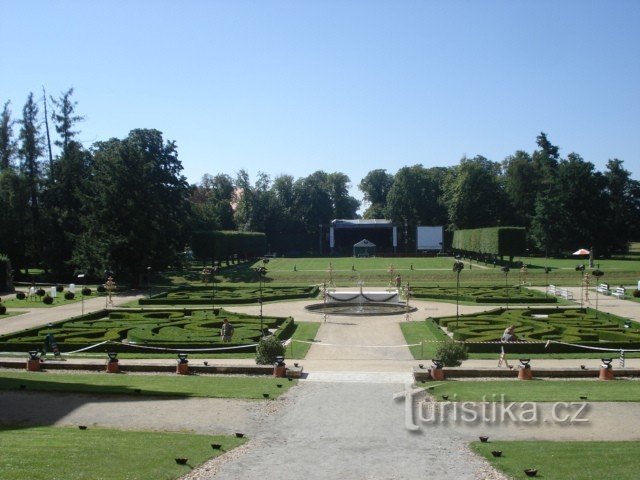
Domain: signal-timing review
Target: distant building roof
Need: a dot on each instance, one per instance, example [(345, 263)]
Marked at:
[(364, 243), (360, 223)]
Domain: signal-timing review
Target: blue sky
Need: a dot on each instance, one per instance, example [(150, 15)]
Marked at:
[(298, 86)]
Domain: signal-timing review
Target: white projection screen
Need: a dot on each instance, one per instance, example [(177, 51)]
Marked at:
[(429, 238)]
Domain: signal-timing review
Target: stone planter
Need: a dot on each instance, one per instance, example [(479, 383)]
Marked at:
[(33, 365)]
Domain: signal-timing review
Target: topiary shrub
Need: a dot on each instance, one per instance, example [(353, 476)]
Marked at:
[(59, 288), (3, 309), (69, 296), (452, 353), (268, 349), (47, 300), (21, 295), (40, 292), (636, 293), (86, 291), (101, 289)]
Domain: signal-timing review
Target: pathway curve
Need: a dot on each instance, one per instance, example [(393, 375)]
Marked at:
[(36, 317)]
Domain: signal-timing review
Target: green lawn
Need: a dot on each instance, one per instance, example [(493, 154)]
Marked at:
[(222, 386), (306, 332), (10, 314), (538, 390), (429, 271), (54, 453), (565, 460), (59, 300)]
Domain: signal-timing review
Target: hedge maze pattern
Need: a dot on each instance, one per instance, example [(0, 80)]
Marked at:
[(540, 325), (489, 294), (229, 295), (167, 329)]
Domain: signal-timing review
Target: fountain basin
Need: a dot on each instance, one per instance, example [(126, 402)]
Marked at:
[(363, 308)]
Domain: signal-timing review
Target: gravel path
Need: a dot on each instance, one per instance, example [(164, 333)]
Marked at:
[(346, 430)]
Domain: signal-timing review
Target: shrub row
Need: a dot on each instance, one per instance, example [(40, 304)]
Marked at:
[(499, 241), (211, 245)]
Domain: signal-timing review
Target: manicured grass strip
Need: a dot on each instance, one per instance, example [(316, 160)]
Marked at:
[(565, 460), (167, 384), (50, 453), (539, 390), (306, 332), (415, 332), (10, 314)]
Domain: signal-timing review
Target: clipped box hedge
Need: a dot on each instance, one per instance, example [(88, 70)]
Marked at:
[(488, 294), (540, 325), (229, 295), (187, 329)]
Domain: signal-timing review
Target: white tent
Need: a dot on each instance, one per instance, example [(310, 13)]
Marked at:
[(364, 248)]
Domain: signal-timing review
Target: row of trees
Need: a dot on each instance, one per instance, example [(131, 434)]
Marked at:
[(119, 206), (564, 203), (124, 205)]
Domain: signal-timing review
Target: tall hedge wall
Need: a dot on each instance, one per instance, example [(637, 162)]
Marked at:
[(224, 244), (498, 241), (5, 274)]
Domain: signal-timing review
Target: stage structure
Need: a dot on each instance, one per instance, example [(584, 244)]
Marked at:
[(345, 234)]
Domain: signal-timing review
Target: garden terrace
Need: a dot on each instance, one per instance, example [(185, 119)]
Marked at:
[(541, 324), (229, 295), (487, 294), (185, 329)]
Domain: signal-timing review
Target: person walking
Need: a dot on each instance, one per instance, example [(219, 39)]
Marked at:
[(226, 331)]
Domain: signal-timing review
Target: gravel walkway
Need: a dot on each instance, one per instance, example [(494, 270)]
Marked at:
[(346, 430)]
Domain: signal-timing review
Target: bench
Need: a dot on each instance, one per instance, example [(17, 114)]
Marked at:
[(552, 290), (566, 294), (604, 289), (620, 292)]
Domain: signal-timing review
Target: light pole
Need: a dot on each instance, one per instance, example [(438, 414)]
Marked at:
[(506, 283), (109, 286), (261, 271), (458, 266), (546, 272), (580, 268), (149, 282), (597, 274), (320, 240), (214, 270), (81, 276)]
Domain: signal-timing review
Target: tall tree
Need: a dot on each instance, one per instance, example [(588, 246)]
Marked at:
[(521, 183), (474, 194), (211, 203), (30, 151), (65, 119), (64, 185), (623, 206), (344, 205), (8, 146), (137, 206), (375, 187)]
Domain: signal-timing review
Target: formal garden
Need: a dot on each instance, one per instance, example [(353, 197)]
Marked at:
[(183, 312), (145, 331)]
